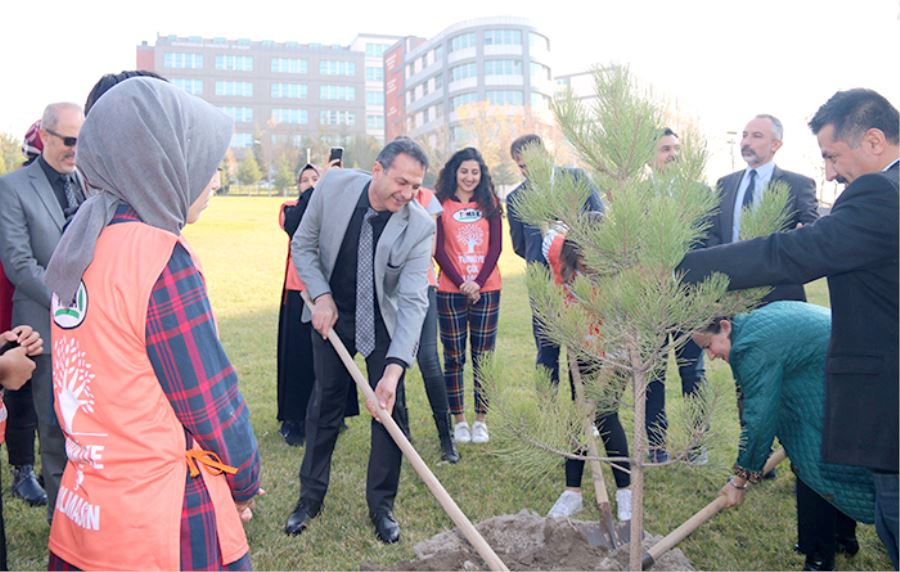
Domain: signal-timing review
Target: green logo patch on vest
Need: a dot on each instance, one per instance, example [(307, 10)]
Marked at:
[(68, 317)]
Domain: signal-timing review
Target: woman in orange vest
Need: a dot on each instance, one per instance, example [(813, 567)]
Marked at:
[(469, 240), (566, 263), (295, 366), (162, 461)]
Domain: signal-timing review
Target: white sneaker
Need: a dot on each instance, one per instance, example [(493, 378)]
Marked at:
[(568, 504), (623, 504), (461, 433), (480, 432)]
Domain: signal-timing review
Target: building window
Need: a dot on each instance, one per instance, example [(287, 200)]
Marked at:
[(462, 41), (289, 65), (538, 41), (337, 117), (242, 140), (374, 73), (502, 67), (192, 86), (294, 116), (462, 72), (337, 92), (438, 81), (374, 97), (374, 121), (539, 101), (289, 91), (505, 97), (539, 71), (239, 114), (182, 60), (376, 50), (438, 54), (234, 63), (503, 38), (337, 67), (234, 88), (464, 99)]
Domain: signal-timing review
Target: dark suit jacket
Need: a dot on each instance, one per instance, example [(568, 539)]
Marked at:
[(856, 248), (526, 239), (801, 202)]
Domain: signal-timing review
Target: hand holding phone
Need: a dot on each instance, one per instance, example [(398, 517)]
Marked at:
[(336, 157)]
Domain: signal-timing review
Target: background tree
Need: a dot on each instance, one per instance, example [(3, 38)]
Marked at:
[(10, 153), (284, 172), (248, 170), (628, 288)]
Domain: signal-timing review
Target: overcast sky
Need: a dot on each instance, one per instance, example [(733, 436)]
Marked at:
[(724, 61)]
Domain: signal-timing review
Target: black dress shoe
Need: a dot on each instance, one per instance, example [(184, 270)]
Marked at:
[(26, 486), (387, 529), (848, 546), (299, 519), (292, 433), (818, 562)]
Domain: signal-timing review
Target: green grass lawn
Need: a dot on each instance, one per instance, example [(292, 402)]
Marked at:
[(243, 253)]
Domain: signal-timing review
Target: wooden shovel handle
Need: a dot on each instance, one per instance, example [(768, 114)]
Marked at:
[(704, 514)]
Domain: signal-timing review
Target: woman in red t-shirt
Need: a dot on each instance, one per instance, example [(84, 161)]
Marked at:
[(469, 242)]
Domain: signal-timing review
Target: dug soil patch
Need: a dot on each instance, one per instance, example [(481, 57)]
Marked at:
[(528, 541)]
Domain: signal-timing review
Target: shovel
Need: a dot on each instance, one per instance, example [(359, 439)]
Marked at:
[(607, 523), (437, 489), (693, 523)]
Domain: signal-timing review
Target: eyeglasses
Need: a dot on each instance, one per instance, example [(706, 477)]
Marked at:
[(67, 141)]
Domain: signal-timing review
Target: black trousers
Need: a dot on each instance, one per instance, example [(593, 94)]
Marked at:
[(296, 376), (326, 411), (819, 523), (547, 351), (21, 425), (429, 362), (689, 358)]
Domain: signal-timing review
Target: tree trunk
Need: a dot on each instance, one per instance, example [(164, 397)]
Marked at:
[(639, 386)]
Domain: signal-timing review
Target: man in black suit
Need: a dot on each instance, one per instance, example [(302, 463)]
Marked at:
[(762, 138), (856, 248), (527, 242)]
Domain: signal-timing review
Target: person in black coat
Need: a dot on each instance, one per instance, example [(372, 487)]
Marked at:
[(762, 138), (856, 248), (527, 242)]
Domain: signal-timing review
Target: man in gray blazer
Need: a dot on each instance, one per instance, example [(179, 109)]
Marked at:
[(34, 204), (363, 251)]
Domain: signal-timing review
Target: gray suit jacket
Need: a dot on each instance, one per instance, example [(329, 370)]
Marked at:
[(31, 224), (402, 256)]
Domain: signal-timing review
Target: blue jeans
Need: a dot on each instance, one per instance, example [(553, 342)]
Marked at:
[(886, 507)]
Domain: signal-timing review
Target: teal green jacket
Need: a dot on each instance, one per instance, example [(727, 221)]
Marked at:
[(778, 362)]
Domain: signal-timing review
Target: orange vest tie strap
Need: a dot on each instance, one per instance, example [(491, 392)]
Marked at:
[(210, 460)]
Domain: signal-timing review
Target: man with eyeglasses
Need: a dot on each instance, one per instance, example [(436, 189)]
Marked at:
[(35, 203)]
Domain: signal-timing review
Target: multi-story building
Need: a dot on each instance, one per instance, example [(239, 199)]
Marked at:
[(374, 46), (278, 93), (503, 61)]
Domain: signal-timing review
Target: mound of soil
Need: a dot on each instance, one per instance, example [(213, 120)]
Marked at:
[(528, 541)]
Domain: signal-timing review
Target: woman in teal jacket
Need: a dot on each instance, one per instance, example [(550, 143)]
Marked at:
[(777, 357)]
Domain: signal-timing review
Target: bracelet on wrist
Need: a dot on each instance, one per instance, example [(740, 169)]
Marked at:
[(731, 481)]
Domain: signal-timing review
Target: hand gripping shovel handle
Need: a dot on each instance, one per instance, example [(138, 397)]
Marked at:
[(693, 523), (606, 520), (437, 489)]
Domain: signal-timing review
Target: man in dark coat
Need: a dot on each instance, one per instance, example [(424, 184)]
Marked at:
[(527, 241), (855, 247), (762, 137)]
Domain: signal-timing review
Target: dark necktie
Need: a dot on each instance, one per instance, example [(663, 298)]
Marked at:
[(71, 199), (365, 288), (751, 187)]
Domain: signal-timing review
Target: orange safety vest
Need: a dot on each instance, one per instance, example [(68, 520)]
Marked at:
[(291, 278), (466, 242), (120, 501), (425, 196)]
